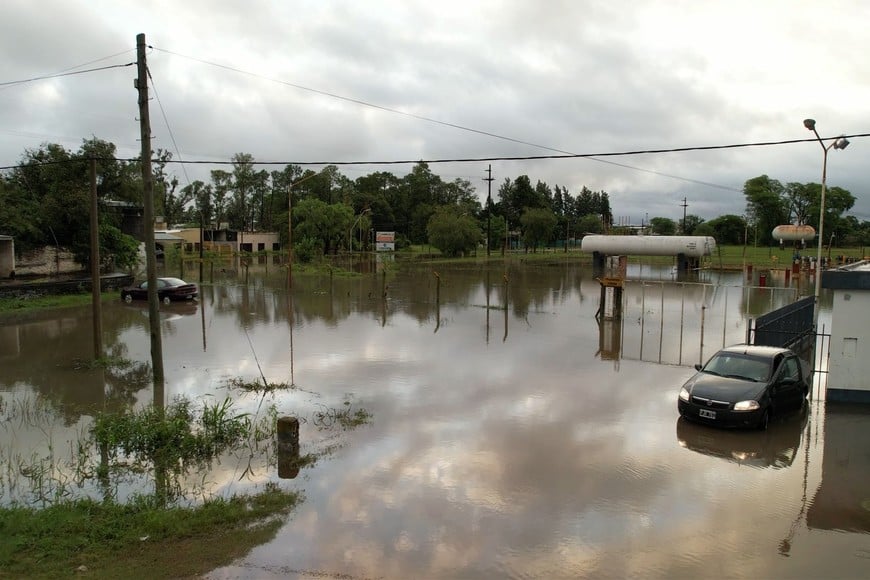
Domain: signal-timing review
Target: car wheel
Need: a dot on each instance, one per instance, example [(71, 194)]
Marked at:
[(166, 300), (128, 298), (765, 420)]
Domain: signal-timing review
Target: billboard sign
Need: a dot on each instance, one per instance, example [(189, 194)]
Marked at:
[(385, 241)]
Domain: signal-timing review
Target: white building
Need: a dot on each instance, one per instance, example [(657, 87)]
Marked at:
[(849, 362)]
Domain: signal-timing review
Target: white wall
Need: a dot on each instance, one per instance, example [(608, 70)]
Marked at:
[(849, 366)]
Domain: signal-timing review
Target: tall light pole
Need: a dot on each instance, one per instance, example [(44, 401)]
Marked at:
[(838, 143)]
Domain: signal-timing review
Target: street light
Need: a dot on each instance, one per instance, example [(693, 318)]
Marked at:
[(838, 143), (350, 232)]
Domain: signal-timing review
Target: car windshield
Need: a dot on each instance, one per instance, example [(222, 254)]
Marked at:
[(739, 366)]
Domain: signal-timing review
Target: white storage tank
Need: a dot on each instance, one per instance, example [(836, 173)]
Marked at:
[(791, 233), (689, 246)]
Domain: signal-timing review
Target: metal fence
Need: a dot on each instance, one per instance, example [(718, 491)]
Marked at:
[(785, 326)]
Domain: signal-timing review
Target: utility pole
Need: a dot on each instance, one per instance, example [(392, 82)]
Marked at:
[(684, 206), (97, 311), (148, 195), (488, 206), (290, 237)]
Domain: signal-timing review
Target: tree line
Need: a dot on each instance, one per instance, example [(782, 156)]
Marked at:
[(44, 201)]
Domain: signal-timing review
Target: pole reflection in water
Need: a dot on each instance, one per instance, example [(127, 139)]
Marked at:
[(506, 302), (487, 290)]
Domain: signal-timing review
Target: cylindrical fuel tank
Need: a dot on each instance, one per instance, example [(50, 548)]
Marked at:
[(692, 246), (790, 233)]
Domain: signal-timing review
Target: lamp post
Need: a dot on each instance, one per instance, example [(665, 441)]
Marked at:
[(350, 232), (838, 143)]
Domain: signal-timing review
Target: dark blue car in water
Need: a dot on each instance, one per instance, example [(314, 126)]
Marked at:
[(744, 386)]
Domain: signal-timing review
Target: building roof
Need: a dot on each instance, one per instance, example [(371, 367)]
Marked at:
[(849, 277), (166, 237)]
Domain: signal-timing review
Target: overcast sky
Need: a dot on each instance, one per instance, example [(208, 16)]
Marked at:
[(574, 76)]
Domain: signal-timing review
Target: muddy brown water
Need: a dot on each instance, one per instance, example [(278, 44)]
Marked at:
[(523, 442)]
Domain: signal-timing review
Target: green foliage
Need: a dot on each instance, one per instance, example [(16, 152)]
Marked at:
[(728, 229), (690, 224), (45, 201), (453, 233), (327, 224), (663, 226), (31, 302), (307, 250), (113, 540), (537, 224), (704, 229), (175, 438), (117, 248), (497, 231), (765, 205), (589, 224)]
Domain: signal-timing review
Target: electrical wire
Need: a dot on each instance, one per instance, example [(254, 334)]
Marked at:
[(437, 121), (64, 74), (168, 127), (494, 158)]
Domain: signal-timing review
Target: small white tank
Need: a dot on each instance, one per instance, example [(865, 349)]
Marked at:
[(790, 233)]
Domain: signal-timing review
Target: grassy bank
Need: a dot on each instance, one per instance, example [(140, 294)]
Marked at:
[(108, 540), (15, 304)]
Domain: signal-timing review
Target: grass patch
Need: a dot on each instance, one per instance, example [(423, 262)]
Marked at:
[(346, 417), (32, 302), (157, 543), (256, 385)]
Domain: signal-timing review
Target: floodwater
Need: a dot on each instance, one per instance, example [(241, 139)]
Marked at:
[(510, 434)]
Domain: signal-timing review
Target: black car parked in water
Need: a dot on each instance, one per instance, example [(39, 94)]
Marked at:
[(168, 289), (744, 385)]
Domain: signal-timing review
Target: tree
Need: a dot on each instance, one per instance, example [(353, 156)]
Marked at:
[(728, 229), (765, 205), (590, 224), (690, 224), (452, 232), (249, 186), (537, 224), (518, 195), (497, 231), (837, 202), (56, 182), (203, 209), (704, 229), (800, 200), (221, 184), (327, 224), (663, 226)]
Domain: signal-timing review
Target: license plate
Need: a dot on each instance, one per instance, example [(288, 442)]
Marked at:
[(707, 414)]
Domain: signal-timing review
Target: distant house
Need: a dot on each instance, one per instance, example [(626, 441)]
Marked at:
[(164, 241), (7, 256), (226, 241)]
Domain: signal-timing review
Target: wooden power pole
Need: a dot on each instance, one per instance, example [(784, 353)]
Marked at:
[(148, 195), (684, 205), (96, 287), (488, 179)]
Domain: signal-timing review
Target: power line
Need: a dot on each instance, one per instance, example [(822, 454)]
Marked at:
[(168, 128), (496, 158), (65, 74), (435, 121)]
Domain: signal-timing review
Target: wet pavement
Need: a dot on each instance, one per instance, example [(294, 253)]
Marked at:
[(527, 441)]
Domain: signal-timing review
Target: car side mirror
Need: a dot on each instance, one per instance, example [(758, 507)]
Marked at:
[(697, 366)]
